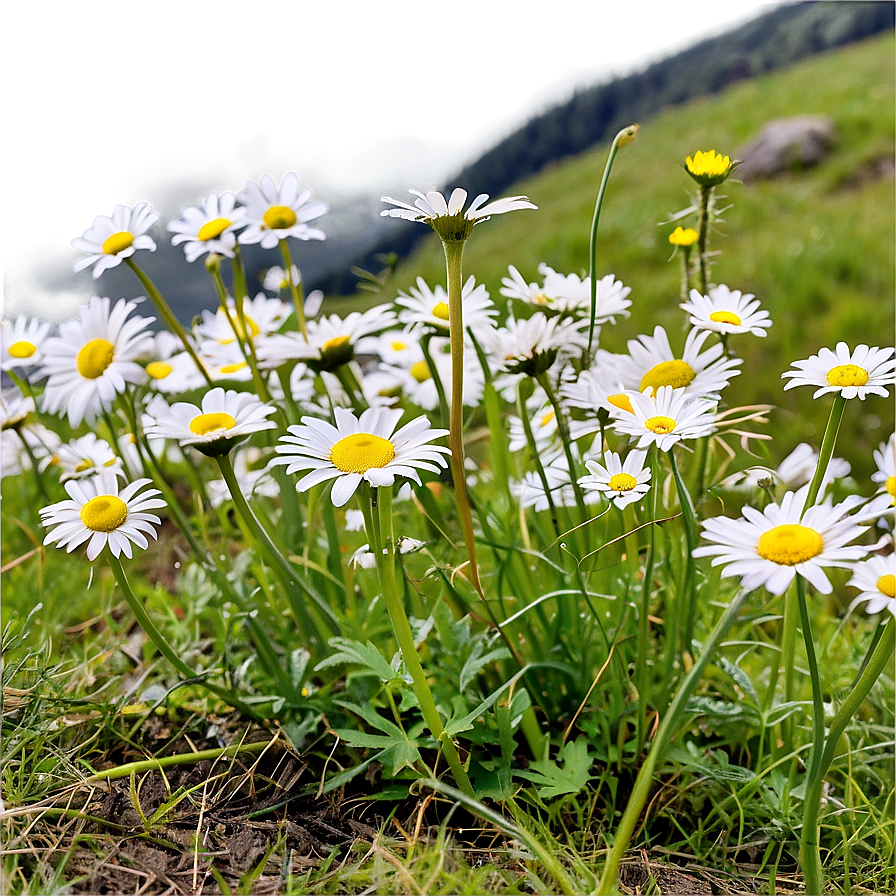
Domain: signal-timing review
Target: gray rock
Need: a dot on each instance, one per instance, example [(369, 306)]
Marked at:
[(784, 144)]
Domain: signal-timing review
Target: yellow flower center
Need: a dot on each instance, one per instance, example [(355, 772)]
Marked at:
[(660, 424), (789, 544), (622, 482), (22, 349), (547, 418), (212, 229), (158, 370), (360, 452), (334, 343), (891, 485), (105, 513), (725, 317), (622, 401), (280, 217), (420, 371), (676, 374), (118, 242), (708, 163), (847, 375), (203, 424), (540, 299), (887, 585), (233, 368), (234, 318), (399, 346), (440, 311), (86, 464), (683, 236), (94, 357)]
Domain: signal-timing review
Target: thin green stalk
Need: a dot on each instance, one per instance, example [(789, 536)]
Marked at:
[(295, 289), (385, 563), (444, 413), (641, 791), (642, 675), (880, 658), (827, 450), (686, 591), (536, 456), (703, 237), (34, 464), (168, 316)]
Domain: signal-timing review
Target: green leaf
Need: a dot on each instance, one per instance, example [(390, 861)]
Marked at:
[(475, 663), (366, 656), (570, 775), (454, 726), (740, 677)]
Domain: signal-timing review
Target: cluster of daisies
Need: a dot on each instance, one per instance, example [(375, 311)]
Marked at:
[(338, 399)]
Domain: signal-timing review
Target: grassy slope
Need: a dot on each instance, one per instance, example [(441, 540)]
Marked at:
[(816, 247)]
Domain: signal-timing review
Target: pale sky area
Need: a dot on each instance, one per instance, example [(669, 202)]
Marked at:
[(109, 103)]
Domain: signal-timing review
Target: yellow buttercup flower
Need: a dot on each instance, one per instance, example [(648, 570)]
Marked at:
[(683, 236), (710, 168)]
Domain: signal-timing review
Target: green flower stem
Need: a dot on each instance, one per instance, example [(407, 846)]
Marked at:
[(238, 267), (38, 477), (171, 321), (352, 387), (286, 569), (626, 135), (641, 791), (685, 289), (642, 674), (703, 237), (630, 541), (828, 443), (384, 541), (454, 250), (536, 456), (295, 289), (165, 648), (434, 373), (880, 658), (686, 591)]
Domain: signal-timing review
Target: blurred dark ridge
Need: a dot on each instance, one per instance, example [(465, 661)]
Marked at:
[(358, 236)]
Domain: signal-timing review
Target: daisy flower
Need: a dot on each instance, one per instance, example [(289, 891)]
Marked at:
[(274, 213), (263, 316), (885, 458), (769, 548), (531, 346), (208, 227), (429, 307), (543, 422), (14, 408), (93, 359), (727, 311), (101, 515), (666, 418), (623, 482), (651, 363), (795, 471), (110, 240), (275, 279), (87, 456), (598, 387), (446, 217), (360, 448), (222, 420), (530, 492), (876, 582), (21, 342), (854, 374)]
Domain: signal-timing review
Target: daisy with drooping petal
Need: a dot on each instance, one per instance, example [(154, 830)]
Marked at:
[(623, 482), (727, 311), (532, 345), (795, 471), (651, 363), (885, 458), (429, 307), (110, 240), (93, 359), (769, 548), (274, 213), (876, 580), (209, 227), (854, 374), (448, 218), (87, 456), (222, 420), (360, 448), (666, 418), (101, 515), (14, 408), (21, 342)]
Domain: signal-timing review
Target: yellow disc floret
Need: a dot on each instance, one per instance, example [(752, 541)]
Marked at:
[(887, 585), (676, 374), (94, 357), (789, 544), (118, 242), (622, 401), (891, 485), (213, 229), (847, 375), (622, 482), (22, 349), (280, 217), (725, 317), (203, 424), (105, 513), (547, 418), (420, 371), (361, 452), (440, 311), (660, 425), (158, 370)]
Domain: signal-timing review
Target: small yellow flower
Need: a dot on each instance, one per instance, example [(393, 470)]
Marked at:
[(709, 169), (684, 236)]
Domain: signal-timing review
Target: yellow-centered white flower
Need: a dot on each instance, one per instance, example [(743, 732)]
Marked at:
[(428, 308), (110, 240), (885, 475), (21, 342), (854, 374), (208, 228), (87, 456), (100, 513), (623, 482), (356, 449), (727, 311), (665, 418), (274, 213), (876, 580)]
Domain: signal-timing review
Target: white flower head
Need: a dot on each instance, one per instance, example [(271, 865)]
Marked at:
[(876, 582), (854, 374), (274, 213), (262, 316), (21, 342), (885, 458), (447, 217), (769, 548), (727, 311), (93, 359), (666, 418), (360, 448), (530, 490), (531, 346), (100, 514), (429, 307), (623, 482), (221, 421), (110, 240), (14, 408), (795, 471), (275, 279), (208, 228), (87, 456)]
